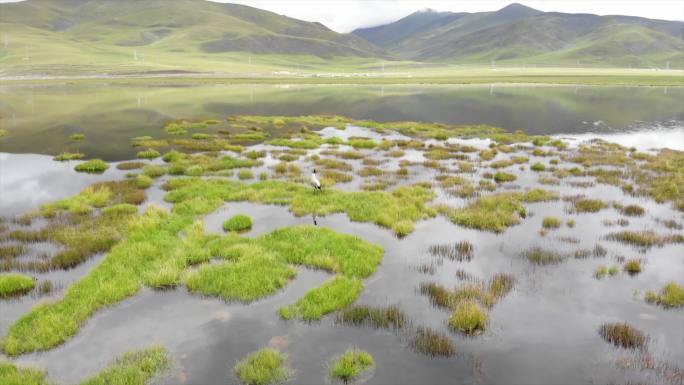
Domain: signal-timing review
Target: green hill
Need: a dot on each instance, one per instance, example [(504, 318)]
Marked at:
[(74, 35), (521, 35)]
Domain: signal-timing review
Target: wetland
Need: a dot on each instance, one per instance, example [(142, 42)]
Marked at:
[(463, 234)]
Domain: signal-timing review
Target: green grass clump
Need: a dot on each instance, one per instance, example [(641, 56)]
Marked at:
[(250, 278), (501, 177), (469, 318), (397, 210), (13, 375), (154, 171), (266, 366), (93, 166), (143, 181), (633, 267), (623, 335), (3, 132), (352, 363), (134, 368), (538, 167), (200, 136), (390, 317), (77, 137), (66, 156), (432, 343), (150, 153), (331, 296), (551, 223), (238, 223), (588, 205), (671, 296), (12, 285), (645, 239)]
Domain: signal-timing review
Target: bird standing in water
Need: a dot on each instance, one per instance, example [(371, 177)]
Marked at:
[(315, 183)]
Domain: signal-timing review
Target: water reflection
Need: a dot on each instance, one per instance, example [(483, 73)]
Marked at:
[(40, 118)]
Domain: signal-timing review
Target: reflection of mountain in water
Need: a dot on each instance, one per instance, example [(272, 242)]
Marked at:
[(111, 116)]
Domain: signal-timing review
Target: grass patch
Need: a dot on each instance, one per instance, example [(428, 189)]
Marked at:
[(93, 166), (150, 153), (623, 335), (588, 205), (331, 296), (671, 296), (469, 318), (77, 137), (14, 285), (460, 251), (633, 211), (502, 177), (538, 167), (245, 174), (632, 267), (603, 271), (66, 156), (350, 365), (551, 223), (543, 257), (250, 278), (266, 366), (390, 317), (644, 239), (130, 165), (496, 212), (238, 223), (133, 368), (13, 375), (432, 343)]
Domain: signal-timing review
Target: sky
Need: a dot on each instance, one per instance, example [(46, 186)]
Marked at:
[(346, 15)]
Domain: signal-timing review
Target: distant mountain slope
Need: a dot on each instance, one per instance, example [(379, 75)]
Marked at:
[(517, 33), (103, 29)]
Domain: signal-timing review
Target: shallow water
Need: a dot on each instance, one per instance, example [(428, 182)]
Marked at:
[(543, 332)]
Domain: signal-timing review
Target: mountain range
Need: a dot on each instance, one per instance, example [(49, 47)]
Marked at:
[(59, 36)]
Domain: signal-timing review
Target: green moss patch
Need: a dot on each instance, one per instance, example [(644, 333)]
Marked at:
[(93, 166)]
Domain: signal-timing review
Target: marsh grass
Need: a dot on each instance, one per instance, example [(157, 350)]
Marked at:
[(77, 137), (460, 251), (67, 156), (671, 296), (133, 368), (644, 239), (266, 366), (15, 375), (632, 210), (11, 251), (331, 296), (389, 317), (93, 166), (588, 205), (130, 165), (432, 343), (551, 223), (603, 271), (502, 177), (632, 267), (14, 285), (495, 212), (469, 318), (238, 223), (543, 257), (150, 153), (623, 335), (350, 365)]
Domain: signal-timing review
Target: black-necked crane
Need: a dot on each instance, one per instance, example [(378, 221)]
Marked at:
[(315, 183)]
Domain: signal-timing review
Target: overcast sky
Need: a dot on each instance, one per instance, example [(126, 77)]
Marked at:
[(346, 15)]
